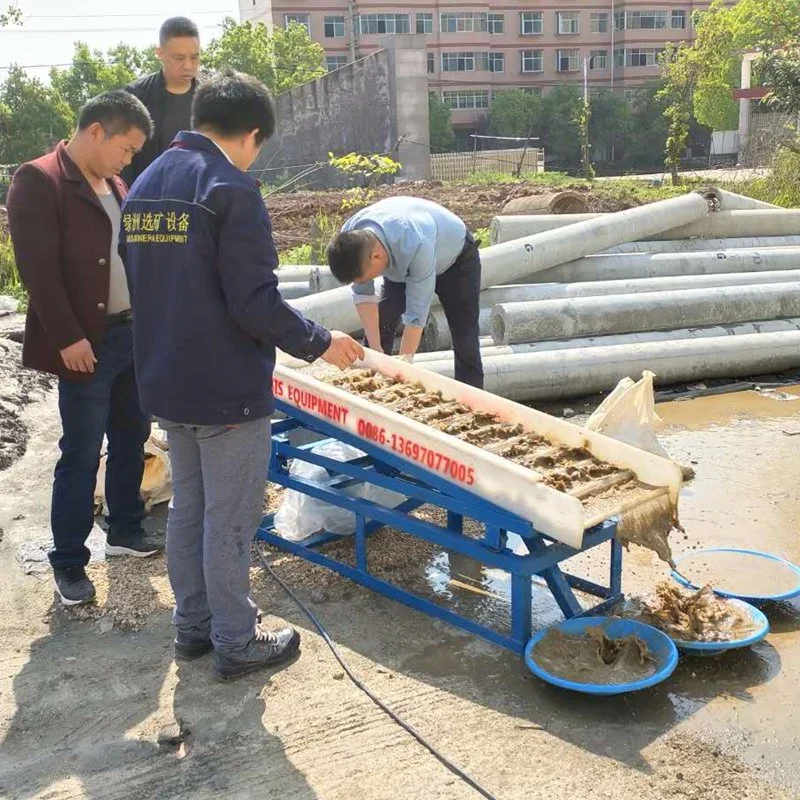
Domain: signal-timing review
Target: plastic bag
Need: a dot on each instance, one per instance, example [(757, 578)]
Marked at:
[(628, 414), (300, 515)]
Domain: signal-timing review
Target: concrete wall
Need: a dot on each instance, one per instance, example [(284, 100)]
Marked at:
[(365, 107)]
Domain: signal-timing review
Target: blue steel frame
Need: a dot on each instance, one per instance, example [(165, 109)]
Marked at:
[(419, 486)]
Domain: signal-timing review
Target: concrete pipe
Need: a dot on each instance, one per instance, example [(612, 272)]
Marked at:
[(745, 222), (513, 323), (510, 261), (730, 201), (706, 245), (508, 228), (566, 202), (578, 372), (673, 266), (507, 262), (321, 279), (752, 222), (295, 272), (442, 360), (436, 334), (558, 291), (293, 289)]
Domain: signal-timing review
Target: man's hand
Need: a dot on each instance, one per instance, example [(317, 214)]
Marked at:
[(79, 357), (343, 350)]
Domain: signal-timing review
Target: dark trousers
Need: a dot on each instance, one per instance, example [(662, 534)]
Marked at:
[(108, 404), (459, 290)]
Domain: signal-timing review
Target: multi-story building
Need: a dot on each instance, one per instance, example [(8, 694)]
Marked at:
[(476, 49)]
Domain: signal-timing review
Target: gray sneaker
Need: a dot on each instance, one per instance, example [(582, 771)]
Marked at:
[(265, 649), (73, 585)]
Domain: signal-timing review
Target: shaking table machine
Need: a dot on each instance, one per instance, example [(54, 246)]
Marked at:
[(562, 489)]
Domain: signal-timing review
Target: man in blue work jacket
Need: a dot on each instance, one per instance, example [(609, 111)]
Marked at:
[(207, 317), (420, 249)]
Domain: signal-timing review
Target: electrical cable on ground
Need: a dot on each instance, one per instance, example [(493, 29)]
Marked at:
[(456, 770)]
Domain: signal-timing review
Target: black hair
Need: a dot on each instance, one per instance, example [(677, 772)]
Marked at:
[(175, 28), (232, 103), (117, 111), (348, 254)]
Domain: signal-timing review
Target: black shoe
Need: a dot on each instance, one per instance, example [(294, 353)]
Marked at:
[(137, 544), (73, 585), (265, 649), (188, 649)]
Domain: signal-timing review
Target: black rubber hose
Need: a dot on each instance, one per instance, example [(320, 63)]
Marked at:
[(456, 770)]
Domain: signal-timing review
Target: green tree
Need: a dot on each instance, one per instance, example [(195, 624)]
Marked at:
[(33, 117), (644, 148), (610, 126), (516, 112), (562, 111), (442, 136), (781, 72), (280, 57), (93, 72), (722, 34)]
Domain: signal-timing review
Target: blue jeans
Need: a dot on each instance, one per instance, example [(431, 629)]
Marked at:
[(107, 404)]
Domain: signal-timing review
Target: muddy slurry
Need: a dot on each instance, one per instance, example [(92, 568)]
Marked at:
[(593, 657), (740, 574), (696, 616), (604, 489)]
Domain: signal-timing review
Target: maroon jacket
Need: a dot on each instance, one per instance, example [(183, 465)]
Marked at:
[(62, 243)]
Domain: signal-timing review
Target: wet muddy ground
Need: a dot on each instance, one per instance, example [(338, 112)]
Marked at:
[(84, 705)]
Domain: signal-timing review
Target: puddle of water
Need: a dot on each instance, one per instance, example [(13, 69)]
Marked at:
[(721, 409)]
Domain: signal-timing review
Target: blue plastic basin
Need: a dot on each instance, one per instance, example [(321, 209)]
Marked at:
[(715, 648), (660, 645), (756, 556)]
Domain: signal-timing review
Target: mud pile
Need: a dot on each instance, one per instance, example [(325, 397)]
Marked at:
[(701, 616), (593, 657)]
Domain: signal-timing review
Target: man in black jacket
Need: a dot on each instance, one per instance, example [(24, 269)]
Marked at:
[(168, 93)]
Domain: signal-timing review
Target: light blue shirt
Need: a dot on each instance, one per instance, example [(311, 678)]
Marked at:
[(423, 240)]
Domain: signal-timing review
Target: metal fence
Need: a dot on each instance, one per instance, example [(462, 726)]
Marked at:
[(456, 166)]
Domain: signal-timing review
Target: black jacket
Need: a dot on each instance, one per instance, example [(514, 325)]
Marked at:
[(151, 90)]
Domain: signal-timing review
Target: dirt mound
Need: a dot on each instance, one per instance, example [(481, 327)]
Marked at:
[(18, 388), (292, 214)]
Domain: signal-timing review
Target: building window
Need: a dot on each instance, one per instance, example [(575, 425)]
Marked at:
[(535, 90), (497, 62), (678, 20), (431, 63), (335, 62), (599, 23), (532, 60), (568, 21), (424, 22), (642, 56), (645, 20), (464, 22), (458, 62), (568, 60), (619, 57), (531, 22), (497, 23), (383, 23), (466, 98), (598, 59), (301, 19), (334, 27), (619, 20)]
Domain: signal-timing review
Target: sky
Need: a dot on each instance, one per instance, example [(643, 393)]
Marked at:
[(50, 27)]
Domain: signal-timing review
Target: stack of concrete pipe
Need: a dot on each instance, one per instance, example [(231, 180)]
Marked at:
[(701, 286)]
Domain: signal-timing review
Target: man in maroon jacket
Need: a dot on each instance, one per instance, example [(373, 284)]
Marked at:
[(64, 214)]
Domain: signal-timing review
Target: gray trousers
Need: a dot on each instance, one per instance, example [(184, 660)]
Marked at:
[(218, 478)]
